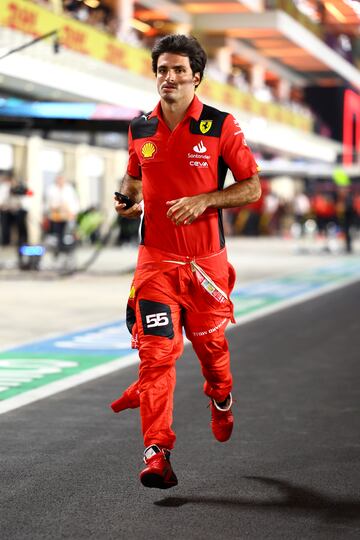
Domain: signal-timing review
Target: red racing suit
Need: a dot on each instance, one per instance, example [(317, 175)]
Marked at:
[(170, 292), (183, 278)]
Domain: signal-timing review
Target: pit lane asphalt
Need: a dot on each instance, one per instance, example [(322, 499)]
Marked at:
[(69, 466)]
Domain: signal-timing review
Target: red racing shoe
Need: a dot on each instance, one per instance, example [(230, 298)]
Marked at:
[(222, 420), (158, 472)]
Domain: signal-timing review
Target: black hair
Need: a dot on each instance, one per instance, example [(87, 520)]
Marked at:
[(183, 45)]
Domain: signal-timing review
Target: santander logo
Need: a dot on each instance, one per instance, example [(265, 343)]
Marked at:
[(200, 148)]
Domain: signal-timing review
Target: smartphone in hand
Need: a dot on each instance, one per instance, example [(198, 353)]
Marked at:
[(120, 197)]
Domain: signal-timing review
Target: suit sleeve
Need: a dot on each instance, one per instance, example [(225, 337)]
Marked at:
[(235, 151), (133, 167)]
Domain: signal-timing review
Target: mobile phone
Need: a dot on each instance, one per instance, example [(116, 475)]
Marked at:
[(120, 197)]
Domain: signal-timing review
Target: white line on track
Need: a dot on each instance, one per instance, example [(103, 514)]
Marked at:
[(121, 363)]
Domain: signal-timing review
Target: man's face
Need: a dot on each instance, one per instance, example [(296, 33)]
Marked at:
[(60, 181), (174, 78)]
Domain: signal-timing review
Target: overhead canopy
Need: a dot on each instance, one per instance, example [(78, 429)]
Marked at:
[(278, 37)]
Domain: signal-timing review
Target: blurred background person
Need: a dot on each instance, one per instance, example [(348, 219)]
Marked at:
[(62, 204), (270, 221), (128, 231), (346, 214), (301, 207), (13, 211), (324, 208), (5, 185)]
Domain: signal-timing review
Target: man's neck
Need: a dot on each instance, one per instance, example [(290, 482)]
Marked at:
[(174, 113)]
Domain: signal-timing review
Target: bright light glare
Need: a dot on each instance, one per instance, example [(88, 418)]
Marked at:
[(308, 9), (32, 251), (92, 3), (355, 5), (139, 25), (6, 157), (335, 12)]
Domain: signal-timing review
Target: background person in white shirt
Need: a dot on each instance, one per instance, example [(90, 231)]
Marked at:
[(63, 207)]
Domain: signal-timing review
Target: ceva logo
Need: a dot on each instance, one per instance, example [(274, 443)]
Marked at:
[(200, 148), (201, 164)]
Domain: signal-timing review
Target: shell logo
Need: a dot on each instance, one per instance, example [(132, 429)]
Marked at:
[(148, 150), (132, 292)]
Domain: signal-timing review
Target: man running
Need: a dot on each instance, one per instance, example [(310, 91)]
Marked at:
[(178, 158)]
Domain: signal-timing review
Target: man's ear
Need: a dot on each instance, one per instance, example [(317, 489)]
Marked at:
[(196, 79)]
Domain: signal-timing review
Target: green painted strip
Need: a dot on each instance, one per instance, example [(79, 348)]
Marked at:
[(33, 366)]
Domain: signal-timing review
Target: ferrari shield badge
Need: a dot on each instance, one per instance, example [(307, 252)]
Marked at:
[(205, 125)]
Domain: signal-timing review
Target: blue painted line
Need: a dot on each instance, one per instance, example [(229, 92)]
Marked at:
[(113, 339), (26, 368)]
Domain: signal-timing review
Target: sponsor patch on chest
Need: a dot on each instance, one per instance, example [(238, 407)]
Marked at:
[(200, 157), (148, 150)]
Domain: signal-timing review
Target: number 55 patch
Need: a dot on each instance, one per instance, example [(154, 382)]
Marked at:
[(156, 319)]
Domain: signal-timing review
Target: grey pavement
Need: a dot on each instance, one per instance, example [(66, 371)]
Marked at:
[(69, 466), (43, 303)]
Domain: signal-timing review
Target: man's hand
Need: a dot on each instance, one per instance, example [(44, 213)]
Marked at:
[(185, 210), (131, 213), (132, 187)]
